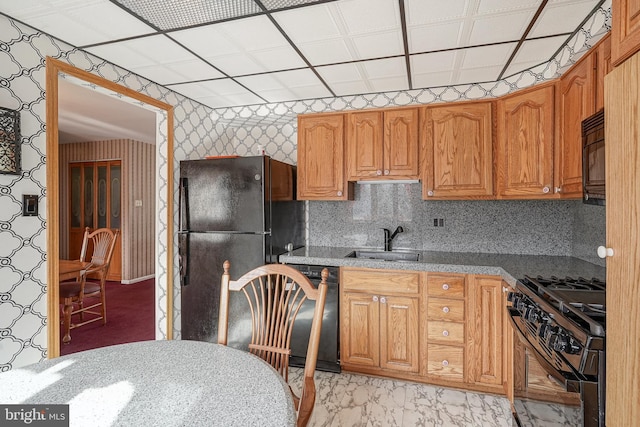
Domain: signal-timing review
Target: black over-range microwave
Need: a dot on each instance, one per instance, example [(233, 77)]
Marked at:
[(593, 178)]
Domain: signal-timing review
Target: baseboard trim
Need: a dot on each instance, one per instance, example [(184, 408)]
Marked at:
[(137, 279)]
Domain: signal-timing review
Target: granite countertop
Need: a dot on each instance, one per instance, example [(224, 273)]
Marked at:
[(173, 383), (510, 267)]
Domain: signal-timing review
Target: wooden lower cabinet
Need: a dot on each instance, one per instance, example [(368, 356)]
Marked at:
[(439, 328)]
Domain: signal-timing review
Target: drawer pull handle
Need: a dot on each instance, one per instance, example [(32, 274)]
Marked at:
[(445, 363), (445, 286), (445, 333), (383, 300), (375, 298), (445, 309)]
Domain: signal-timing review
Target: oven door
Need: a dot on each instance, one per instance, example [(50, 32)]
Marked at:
[(543, 395)]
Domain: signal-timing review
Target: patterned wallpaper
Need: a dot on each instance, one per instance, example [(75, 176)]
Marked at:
[(198, 131)]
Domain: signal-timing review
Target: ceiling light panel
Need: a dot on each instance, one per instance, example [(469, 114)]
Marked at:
[(286, 85), (345, 31), (167, 15), (247, 46), (283, 4), (562, 17), (77, 22)]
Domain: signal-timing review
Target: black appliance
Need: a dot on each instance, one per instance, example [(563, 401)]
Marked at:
[(228, 210), (593, 159), (562, 322), (328, 349)]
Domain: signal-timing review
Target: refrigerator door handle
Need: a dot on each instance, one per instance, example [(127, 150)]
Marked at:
[(183, 254), (183, 214)]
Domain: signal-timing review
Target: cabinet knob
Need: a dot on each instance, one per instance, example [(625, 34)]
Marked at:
[(375, 298), (430, 193), (445, 333), (378, 172), (445, 309), (445, 363), (546, 189), (383, 300), (445, 286), (604, 252), (557, 189), (386, 171), (339, 193)]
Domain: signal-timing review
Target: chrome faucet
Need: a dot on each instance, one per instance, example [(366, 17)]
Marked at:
[(388, 237)]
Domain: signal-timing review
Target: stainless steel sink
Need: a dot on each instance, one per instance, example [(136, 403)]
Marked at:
[(384, 255)]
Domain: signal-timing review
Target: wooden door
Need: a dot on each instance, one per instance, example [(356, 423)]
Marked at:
[(576, 102), (486, 327), (401, 148), (95, 202), (360, 329), (525, 144), (625, 29), (458, 151), (622, 135), (321, 174), (399, 330), (364, 144)]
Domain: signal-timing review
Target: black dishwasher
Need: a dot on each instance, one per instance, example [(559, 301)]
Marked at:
[(328, 350)]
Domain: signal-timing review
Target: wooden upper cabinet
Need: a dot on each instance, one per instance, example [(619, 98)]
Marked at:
[(383, 144), (525, 144), (458, 151), (625, 29), (575, 102), (603, 65), (321, 158)]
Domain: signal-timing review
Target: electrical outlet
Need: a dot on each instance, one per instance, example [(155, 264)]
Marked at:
[(138, 203), (438, 222)]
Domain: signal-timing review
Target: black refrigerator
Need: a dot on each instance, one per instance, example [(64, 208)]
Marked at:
[(241, 209)]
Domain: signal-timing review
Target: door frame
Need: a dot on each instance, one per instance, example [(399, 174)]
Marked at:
[(53, 68)]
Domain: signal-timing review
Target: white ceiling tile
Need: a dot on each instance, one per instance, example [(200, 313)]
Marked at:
[(363, 16), (228, 92), (427, 11), (200, 40), (142, 52), (517, 67), (378, 45), (278, 58), (326, 51), (389, 84), (430, 80), (561, 17), (350, 88), (496, 6), (428, 63), (539, 50), (384, 68), (236, 64), (487, 55), (511, 27), (177, 72), (309, 24), (425, 38), (286, 86), (341, 73), (477, 75), (79, 22), (253, 33)]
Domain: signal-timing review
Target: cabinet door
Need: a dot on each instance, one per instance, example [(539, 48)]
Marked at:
[(525, 144), (401, 151), (625, 29), (321, 158), (603, 66), (576, 101), (364, 144), (399, 333), (486, 318), (457, 151), (360, 329)]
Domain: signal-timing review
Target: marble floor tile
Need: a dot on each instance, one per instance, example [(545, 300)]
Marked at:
[(362, 401)]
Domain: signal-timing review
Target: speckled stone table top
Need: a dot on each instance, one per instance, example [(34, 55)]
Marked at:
[(510, 267), (156, 383)]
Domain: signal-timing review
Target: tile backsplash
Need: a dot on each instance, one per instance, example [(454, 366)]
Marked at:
[(545, 227)]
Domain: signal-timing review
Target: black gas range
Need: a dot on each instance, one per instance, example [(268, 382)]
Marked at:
[(562, 321)]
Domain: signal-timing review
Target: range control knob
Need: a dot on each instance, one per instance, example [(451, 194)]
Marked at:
[(531, 314), (559, 342), (573, 347)]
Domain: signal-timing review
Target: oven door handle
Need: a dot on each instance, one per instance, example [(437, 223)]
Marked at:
[(569, 384)]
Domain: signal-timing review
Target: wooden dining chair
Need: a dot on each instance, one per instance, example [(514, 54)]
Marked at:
[(74, 293), (275, 293)]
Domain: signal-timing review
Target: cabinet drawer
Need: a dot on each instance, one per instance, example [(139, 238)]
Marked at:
[(445, 361), (451, 310), (446, 332), (382, 282), (450, 286)]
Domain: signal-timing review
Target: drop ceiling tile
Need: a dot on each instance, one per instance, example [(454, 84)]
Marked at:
[(341, 73), (562, 17), (327, 51), (177, 72), (428, 63), (79, 22), (534, 52), (431, 80), (366, 76), (378, 45), (496, 6), (364, 16), (153, 50), (425, 38), (309, 24), (511, 27), (429, 11), (286, 85), (486, 55), (477, 75), (384, 68), (350, 88), (217, 93)]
